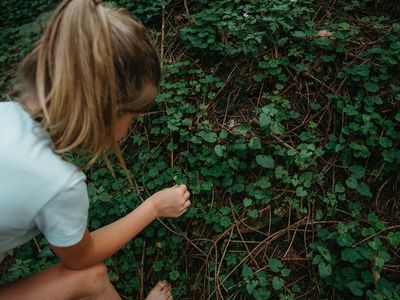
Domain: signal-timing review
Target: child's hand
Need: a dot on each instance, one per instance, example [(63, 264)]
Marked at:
[(171, 202)]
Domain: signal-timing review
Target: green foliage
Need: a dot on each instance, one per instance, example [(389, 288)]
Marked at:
[(282, 117)]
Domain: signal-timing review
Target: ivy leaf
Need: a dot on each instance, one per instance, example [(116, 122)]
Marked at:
[(385, 142), (285, 272), (324, 269), (277, 283), (299, 34), (210, 137), (351, 182), (262, 278), (223, 134), (364, 190), (225, 221), (357, 171), (261, 293), (242, 129), (350, 255), (158, 265), (282, 41), (344, 25), (247, 202), (258, 77), (300, 192), (219, 150), (325, 253), (397, 117), (251, 286), (275, 265), (339, 188), (356, 288), (265, 161), (371, 87), (252, 214), (264, 120), (394, 238), (174, 275), (345, 240), (255, 143), (247, 272)]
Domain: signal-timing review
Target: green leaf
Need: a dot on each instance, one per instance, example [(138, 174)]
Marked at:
[(394, 238), (375, 244), (225, 221), (261, 294), (275, 265), (252, 214), (282, 41), (255, 143), (251, 286), (225, 210), (371, 87), (345, 240), (372, 218), (262, 278), (364, 190), (324, 269), (299, 34), (300, 192), (350, 255), (242, 129), (277, 283), (223, 134), (385, 142), (247, 272), (357, 171), (344, 25), (356, 288), (265, 161), (210, 137), (339, 188), (264, 121), (219, 150), (325, 253), (158, 265), (258, 77), (351, 182), (285, 272), (247, 202), (397, 117), (174, 275)]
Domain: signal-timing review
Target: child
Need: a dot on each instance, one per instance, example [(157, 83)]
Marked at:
[(83, 82)]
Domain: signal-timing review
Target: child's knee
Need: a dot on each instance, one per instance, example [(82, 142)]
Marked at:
[(99, 272), (92, 279)]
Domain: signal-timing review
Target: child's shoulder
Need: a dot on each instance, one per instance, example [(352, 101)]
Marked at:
[(27, 160)]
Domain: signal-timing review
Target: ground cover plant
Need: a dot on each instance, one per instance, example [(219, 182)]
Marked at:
[(283, 118)]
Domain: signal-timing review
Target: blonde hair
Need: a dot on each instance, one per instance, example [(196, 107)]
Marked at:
[(91, 64)]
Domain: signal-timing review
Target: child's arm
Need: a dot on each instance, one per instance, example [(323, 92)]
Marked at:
[(99, 245)]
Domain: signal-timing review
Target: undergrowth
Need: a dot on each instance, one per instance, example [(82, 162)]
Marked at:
[(283, 119)]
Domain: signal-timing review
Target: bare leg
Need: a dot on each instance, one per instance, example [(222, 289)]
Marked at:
[(59, 283)]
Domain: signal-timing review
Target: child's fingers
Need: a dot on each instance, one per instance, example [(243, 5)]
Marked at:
[(187, 204), (186, 195), (182, 187)]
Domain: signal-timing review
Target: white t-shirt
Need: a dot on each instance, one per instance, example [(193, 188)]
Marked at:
[(39, 191)]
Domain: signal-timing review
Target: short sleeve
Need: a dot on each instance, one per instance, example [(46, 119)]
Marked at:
[(63, 220)]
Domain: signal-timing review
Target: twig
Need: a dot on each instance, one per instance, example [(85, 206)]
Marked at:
[(374, 235)]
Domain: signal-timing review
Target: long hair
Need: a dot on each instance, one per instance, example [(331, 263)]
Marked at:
[(91, 64)]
